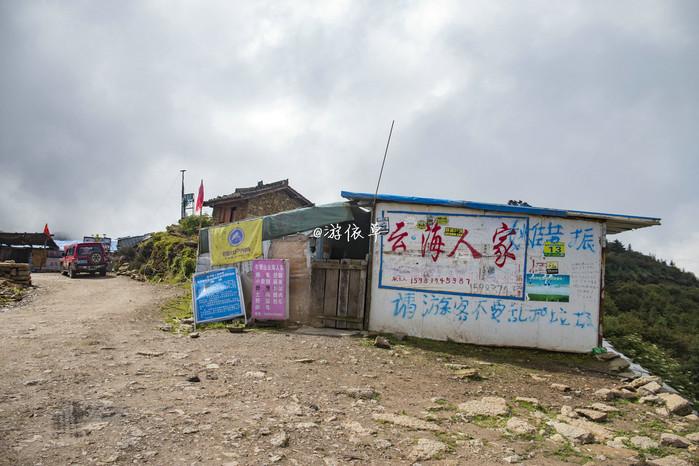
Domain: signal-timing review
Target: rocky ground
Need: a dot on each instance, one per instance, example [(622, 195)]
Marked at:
[(89, 378)]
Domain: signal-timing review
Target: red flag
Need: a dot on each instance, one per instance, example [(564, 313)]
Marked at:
[(200, 198), (46, 230)]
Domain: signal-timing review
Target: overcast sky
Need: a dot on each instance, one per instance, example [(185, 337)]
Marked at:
[(581, 105)]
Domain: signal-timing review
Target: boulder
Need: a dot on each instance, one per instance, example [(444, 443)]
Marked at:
[(643, 442), (618, 364), (486, 406), (671, 460), (568, 411), (600, 433), (604, 408), (676, 404), (693, 437), (426, 449), (279, 440), (382, 342), (605, 394), (641, 381), (650, 388), (672, 440), (591, 414), (609, 355), (650, 399), (573, 433), (520, 426)]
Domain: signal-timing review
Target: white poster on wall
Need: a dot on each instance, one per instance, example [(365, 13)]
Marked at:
[(474, 277)]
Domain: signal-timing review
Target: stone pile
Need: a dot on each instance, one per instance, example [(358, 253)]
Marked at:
[(19, 274)]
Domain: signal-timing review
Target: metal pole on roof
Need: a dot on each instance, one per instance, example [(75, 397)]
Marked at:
[(376, 193), (183, 213)]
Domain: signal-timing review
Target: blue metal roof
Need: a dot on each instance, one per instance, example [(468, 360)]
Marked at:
[(616, 223)]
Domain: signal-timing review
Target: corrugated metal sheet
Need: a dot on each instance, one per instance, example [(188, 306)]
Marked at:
[(616, 223)]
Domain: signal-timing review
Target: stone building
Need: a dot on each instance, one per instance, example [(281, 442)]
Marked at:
[(256, 201)]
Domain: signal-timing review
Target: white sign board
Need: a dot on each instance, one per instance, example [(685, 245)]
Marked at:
[(486, 278)]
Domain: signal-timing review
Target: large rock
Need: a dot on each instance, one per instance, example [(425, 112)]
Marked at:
[(604, 408), (672, 440), (650, 388), (406, 421), (671, 460), (676, 404), (426, 449), (605, 394), (592, 414), (693, 437), (644, 443), (641, 381), (609, 394), (280, 440), (520, 426), (600, 433), (486, 406), (573, 433), (618, 364)]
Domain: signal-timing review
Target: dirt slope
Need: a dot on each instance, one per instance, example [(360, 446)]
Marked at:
[(88, 378)]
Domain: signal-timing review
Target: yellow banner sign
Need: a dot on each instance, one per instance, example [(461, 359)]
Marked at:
[(237, 242)]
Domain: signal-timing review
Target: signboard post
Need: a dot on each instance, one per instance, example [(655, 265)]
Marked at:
[(270, 289), (217, 295)]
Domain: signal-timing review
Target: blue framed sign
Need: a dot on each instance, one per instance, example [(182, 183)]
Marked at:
[(217, 295)]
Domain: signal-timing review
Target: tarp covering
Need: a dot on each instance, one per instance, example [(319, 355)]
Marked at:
[(297, 220)]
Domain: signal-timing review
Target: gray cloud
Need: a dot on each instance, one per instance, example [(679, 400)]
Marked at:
[(586, 105)]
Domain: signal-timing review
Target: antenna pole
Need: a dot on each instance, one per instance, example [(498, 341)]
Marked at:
[(183, 213), (376, 193)]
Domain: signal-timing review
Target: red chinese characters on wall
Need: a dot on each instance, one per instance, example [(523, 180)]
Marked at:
[(502, 250), (397, 238), (432, 242)]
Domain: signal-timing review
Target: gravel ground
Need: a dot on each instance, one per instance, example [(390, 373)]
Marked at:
[(90, 379)]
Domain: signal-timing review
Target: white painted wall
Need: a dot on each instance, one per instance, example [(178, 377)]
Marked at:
[(472, 299)]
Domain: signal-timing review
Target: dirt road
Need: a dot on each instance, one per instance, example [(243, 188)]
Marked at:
[(88, 378)]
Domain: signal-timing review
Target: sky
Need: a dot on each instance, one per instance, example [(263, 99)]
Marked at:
[(589, 105)]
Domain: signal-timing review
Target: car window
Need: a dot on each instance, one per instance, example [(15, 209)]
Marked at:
[(87, 250), (70, 251)]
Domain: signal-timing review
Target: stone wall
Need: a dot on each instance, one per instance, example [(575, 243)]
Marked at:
[(271, 203), (16, 273)]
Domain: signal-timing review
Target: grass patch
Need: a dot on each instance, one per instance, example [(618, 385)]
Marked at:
[(567, 452), (447, 439), (489, 422)]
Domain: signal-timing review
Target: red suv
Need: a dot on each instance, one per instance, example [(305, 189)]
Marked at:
[(84, 257)]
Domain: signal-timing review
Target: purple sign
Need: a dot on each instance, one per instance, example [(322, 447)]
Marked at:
[(270, 289)]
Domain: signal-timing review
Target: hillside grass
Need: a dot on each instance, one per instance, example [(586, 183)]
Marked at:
[(652, 315)]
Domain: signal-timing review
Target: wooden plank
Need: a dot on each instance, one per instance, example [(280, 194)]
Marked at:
[(330, 295), (353, 297), (335, 266), (317, 291), (343, 297), (361, 295)]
